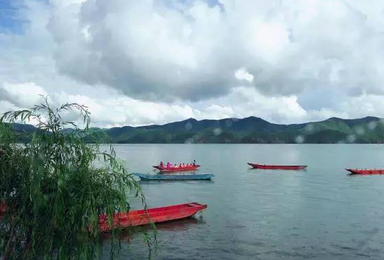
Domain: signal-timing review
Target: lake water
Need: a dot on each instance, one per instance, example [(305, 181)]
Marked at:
[(320, 213)]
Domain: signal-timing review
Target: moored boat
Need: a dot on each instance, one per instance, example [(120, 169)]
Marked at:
[(277, 167), (173, 177), (366, 172), (153, 215), (2, 209), (190, 167)]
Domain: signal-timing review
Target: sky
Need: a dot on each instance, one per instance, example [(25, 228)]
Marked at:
[(157, 61)]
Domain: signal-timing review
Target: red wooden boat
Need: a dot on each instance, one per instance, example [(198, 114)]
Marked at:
[(177, 168), (366, 172), (277, 167), (2, 209), (153, 215)]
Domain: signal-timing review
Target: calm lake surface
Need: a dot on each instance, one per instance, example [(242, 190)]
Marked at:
[(320, 213)]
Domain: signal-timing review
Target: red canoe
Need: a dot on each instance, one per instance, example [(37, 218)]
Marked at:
[(277, 167), (366, 172), (177, 169), (2, 209), (153, 215)]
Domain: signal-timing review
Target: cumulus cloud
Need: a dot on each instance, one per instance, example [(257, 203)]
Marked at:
[(140, 62), (250, 102), (144, 48), (242, 74), (118, 111), (193, 50), (113, 109), (21, 95)]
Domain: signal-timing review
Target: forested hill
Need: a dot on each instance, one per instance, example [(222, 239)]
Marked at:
[(247, 130)]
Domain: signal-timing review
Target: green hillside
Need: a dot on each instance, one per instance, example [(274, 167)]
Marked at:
[(254, 130), (233, 130)]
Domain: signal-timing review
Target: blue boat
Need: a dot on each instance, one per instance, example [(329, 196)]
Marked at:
[(174, 177)]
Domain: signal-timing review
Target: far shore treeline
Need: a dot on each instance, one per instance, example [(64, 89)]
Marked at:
[(231, 130)]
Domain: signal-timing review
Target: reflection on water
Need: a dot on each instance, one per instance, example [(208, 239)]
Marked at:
[(182, 224), (320, 213)]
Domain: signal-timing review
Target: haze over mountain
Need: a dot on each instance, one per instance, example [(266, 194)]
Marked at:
[(246, 130)]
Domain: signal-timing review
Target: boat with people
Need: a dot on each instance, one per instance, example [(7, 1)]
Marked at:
[(148, 216), (174, 177), (177, 167), (277, 167), (365, 171)]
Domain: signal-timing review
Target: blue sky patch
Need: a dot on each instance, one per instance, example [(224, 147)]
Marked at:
[(9, 20)]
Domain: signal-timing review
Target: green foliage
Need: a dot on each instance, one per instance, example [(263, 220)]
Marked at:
[(55, 187)]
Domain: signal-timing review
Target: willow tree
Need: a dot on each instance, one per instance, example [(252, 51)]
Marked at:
[(55, 186)]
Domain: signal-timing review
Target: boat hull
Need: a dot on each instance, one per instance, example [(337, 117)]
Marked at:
[(366, 172), (153, 215), (2, 209), (176, 169), (277, 167), (172, 177)]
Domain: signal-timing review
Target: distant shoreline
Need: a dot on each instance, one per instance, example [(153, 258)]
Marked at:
[(250, 130)]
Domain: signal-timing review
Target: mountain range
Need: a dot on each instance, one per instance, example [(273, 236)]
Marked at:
[(246, 130)]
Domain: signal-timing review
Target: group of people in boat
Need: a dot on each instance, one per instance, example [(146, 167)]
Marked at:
[(181, 165)]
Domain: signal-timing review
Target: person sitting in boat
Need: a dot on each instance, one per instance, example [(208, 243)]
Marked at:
[(194, 163), (161, 164), (168, 165)]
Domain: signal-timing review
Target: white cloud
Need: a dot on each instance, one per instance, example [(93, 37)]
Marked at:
[(250, 102), (242, 74), (22, 95), (215, 112), (140, 62), (7, 106), (154, 50)]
